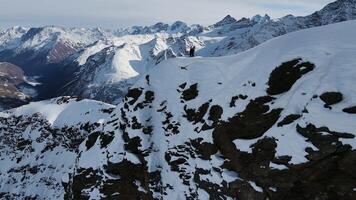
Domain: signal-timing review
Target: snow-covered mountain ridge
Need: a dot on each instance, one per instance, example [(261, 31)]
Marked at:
[(83, 62), (40, 142), (275, 121)]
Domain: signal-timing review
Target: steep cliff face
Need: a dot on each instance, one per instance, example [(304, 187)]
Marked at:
[(276, 122)]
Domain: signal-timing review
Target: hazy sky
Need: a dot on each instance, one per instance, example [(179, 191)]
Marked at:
[(123, 13)]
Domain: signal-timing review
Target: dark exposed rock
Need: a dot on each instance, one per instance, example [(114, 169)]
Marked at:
[(133, 145), (282, 160), (84, 179), (170, 127), (244, 191), (106, 139), (23, 143), (33, 170), (126, 186), (284, 76), (288, 120), (243, 97), (190, 93), (182, 86), (327, 144), (64, 100), (147, 130), (253, 122), (134, 93), (149, 97), (233, 101), (321, 177), (350, 110), (214, 190), (147, 77), (235, 98), (310, 128), (204, 149), (92, 139), (135, 124), (175, 163), (196, 116), (215, 113), (109, 110), (177, 157), (331, 98)]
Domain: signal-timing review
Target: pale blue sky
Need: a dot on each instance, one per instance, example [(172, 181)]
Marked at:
[(123, 13)]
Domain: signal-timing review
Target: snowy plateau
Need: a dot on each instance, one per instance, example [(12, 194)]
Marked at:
[(266, 110)]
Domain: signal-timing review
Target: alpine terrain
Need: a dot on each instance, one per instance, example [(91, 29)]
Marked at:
[(102, 64), (266, 110), (273, 122)]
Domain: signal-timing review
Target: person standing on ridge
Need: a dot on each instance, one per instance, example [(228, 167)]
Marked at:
[(192, 51)]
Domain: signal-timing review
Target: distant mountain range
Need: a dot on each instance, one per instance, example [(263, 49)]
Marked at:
[(102, 64)]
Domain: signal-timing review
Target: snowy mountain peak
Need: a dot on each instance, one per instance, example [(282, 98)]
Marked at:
[(14, 30), (225, 21), (159, 27), (337, 11), (261, 19), (179, 27)]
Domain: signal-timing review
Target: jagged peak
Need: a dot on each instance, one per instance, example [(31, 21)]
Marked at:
[(14, 29), (160, 26), (226, 20), (261, 19), (178, 25)]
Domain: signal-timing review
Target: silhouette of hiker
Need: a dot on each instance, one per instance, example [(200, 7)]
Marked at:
[(192, 51)]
